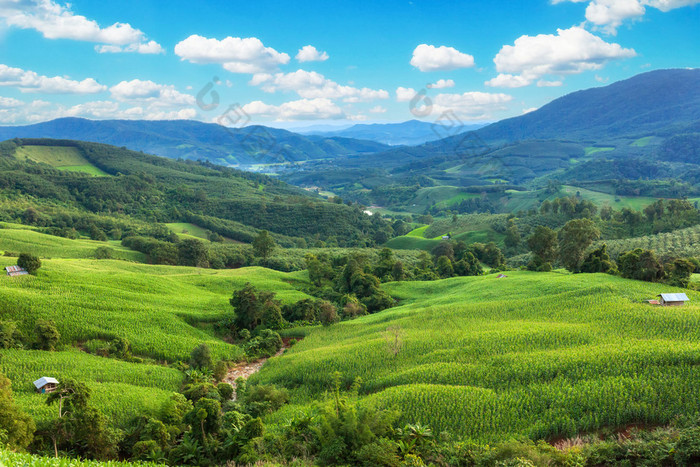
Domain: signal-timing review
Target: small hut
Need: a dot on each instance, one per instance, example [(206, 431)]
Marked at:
[(13, 271), (501, 276), (45, 384), (673, 299)]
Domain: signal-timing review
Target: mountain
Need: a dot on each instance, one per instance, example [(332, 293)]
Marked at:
[(186, 139), (410, 133), (659, 103), (110, 181)]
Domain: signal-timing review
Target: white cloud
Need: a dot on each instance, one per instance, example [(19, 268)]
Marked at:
[(308, 53), (303, 109), (549, 84), (430, 58), (151, 47), (506, 80), (405, 94), (442, 84), (313, 85), (377, 109), (235, 54), (29, 81), (10, 103), (157, 95), (471, 105), (608, 15), (55, 21), (527, 111), (570, 51)]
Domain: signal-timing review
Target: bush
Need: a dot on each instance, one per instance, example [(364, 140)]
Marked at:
[(29, 262), (104, 252), (201, 357), (47, 335), (225, 391)]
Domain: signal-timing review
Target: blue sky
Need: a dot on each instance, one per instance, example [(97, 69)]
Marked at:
[(299, 63)]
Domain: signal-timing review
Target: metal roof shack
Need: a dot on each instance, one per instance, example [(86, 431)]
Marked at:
[(45, 384), (13, 271), (673, 299)]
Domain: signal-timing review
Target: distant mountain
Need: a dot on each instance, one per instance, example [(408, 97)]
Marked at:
[(193, 140), (658, 103), (410, 133)]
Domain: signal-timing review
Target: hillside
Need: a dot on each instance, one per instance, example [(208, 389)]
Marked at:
[(560, 355), (232, 203), (191, 140)]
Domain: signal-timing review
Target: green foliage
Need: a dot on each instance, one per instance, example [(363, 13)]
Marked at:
[(266, 344), (544, 246), (29, 262), (47, 334), (641, 265), (574, 238), (599, 261), (201, 357), (16, 427), (263, 245), (225, 391)]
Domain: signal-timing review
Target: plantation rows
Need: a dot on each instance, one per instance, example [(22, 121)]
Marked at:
[(12, 459), (679, 243), (163, 311), (122, 390), (543, 355)]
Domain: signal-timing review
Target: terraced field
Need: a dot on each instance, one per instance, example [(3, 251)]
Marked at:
[(535, 354), (61, 157)]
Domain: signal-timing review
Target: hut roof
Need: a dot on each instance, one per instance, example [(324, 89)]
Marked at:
[(15, 271), (43, 381), (674, 297)]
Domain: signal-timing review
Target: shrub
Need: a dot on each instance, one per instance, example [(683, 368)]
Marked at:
[(104, 252), (225, 391), (47, 335), (29, 262), (201, 357)]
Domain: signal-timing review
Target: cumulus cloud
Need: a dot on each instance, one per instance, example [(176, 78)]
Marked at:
[(608, 15), (570, 51), (29, 81), (471, 105), (405, 94), (313, 85), (430, 58), (55, 21), (235, 54), (377, 109), (549, 84), (157, 95), (10, 103), (303, 109), (308, 53), (442, 84)]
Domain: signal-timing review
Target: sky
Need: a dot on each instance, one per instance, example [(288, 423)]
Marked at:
[(294, 64)]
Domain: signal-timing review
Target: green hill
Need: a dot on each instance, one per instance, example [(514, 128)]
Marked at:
[(534, 354)]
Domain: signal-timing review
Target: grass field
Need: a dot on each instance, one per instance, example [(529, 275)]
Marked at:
[(17, 240), (14, 459), (64, 158), (122, 390), (162, 310), (536, 354), (185, 230), (642, 142), (600, 199), (595, 149)]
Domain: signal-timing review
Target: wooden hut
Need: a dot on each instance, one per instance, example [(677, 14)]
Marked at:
[(673, 299), (13, 271), (45, 384)]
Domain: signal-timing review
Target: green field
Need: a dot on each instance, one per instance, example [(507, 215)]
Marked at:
[(64, 158), (122, 390), (642, 142), (14, 459), (601, 199), (91, 299), (186, 230), (48, 246), (535, 354), (595, 149)]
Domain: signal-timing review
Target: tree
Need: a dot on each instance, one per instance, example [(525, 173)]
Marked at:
[(468, 266), (250, 304), (444, 248), (641, 265), (47, 334), (192, 252), (272, 315), (574, 238), (599, 261), (444, 267), (263, 245), (201, 357), (543, 244), (29, 262), (397, 271), (513, 238), (328, 313), (679, 272), (17, 427)]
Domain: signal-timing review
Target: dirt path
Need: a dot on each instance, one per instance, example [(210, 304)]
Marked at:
[(244, 370)]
